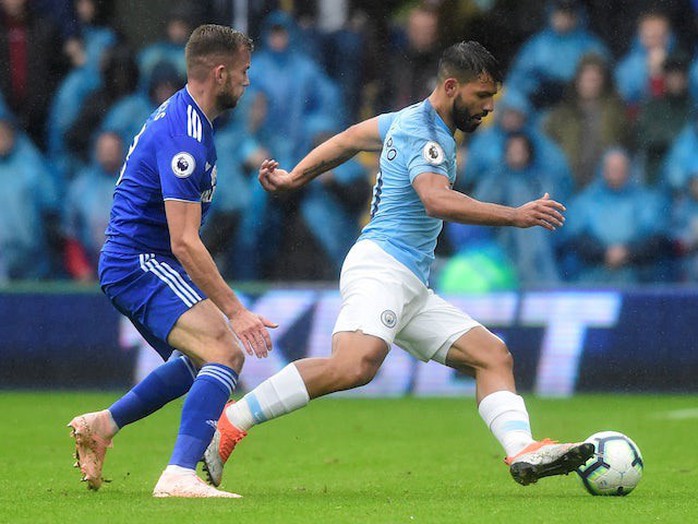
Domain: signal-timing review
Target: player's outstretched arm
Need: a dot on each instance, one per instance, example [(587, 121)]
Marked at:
[(443, 202), (183, 220), (363, 136)]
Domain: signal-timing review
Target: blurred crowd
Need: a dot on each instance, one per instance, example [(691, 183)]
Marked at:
[(598, 109)]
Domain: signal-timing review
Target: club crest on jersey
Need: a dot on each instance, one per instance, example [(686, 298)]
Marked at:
[(183, 164), (433, 153), (389, 318)]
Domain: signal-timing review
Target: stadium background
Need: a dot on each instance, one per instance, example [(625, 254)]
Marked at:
[(597, 346), (561, 307)]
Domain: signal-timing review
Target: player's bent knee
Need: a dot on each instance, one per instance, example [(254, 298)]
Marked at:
[(500, 357), (360, 374), (349, 374), (234, 358), (220, 347)]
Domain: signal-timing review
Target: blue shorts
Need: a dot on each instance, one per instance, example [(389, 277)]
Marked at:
[(153, 291)]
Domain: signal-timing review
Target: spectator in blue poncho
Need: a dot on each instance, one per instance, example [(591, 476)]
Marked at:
[(547, 61), (96, 35), (682, 157), (333, 204), (77, 85), (181, 21), (684, 229), (86, 49), (239, 155), (87, 205), (118, 79), (486, 151), (290, 91), (294, 88), (616, 229), (639, 74), (27, 202), (127, 116), (520, 179)]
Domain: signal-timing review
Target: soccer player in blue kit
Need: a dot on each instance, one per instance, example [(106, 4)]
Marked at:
[(157, 272), (384, 279)]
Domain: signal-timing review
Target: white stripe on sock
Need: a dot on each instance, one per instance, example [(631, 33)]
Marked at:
[(222, 374), (225, 379)]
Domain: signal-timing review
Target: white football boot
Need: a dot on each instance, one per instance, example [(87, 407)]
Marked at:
[(186, 484), (546, 458)]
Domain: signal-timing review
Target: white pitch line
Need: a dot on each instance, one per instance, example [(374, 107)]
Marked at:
[(679, 414)]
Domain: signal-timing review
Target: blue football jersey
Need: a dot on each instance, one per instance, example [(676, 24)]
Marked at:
[(173, 157), (415, 140)]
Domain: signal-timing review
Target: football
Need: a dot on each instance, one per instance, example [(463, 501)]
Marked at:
[(616, 466)]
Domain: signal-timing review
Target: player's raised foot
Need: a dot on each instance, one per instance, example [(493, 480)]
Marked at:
[(187, 485), (222, 445), (546, 458), (92, 433)]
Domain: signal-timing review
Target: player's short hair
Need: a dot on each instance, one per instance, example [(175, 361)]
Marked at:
[(210, 41), (466, 61)]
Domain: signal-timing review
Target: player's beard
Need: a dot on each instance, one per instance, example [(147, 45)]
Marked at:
[(227, 101), (463, 119)]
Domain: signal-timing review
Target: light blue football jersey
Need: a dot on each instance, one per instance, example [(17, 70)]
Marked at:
[(173, 157), (415, 140)]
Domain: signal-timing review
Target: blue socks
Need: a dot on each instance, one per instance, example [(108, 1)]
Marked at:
[(201, 411), (208, 394), (166, 383)]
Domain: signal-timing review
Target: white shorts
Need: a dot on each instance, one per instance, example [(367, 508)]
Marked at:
[(383, 298)]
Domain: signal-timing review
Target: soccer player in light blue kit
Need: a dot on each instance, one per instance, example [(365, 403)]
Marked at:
[(157, 272), (384, 279)]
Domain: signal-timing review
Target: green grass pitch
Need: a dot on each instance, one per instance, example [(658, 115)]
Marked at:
[(351, 460)]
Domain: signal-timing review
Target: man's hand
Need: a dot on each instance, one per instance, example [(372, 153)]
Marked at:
[(274, 179), (543, 212), (251, 329)]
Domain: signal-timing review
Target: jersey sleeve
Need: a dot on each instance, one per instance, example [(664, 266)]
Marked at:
[(181, 166), (384, 122), (426, 156)]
